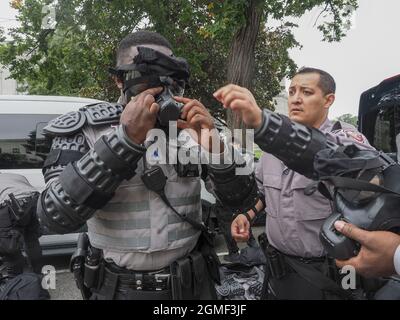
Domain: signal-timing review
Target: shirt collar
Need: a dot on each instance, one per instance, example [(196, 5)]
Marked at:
[(326, 125)]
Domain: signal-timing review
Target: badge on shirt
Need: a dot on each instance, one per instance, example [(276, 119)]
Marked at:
[(355, 136)]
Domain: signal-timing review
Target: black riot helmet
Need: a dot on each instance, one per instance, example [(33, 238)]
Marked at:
[(151, 68), (365, 188)]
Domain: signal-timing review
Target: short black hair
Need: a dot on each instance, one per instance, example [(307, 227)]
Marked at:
[(326, 81), (140, 38)]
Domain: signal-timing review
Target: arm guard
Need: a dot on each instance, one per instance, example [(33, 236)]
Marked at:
[(293, 143), (88, 184), (237, 192)]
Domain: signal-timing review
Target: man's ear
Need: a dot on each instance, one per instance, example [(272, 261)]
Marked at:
[(330, 99), (119, 83)]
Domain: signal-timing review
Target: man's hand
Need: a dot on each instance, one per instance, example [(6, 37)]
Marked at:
[(195, 116), (241, 101), (240, 228), (375, 258), (140, 115)]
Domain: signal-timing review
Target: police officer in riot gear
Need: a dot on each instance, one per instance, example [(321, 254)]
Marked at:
[(20, 278), (19, 227), (147, 240), (315, 155)]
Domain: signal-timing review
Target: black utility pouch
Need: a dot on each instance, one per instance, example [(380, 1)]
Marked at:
[(181, 282), (199, 273), (10, 242), (208, 252), (275, 261)]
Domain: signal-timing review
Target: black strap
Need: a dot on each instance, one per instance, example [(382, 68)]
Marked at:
[(317, 278), (353, 184), (199, 226), (155, 180), (61, 157)]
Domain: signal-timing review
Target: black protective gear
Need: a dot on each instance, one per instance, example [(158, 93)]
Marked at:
[(150, 69), (239, 193), (113, 159), (97, 114), (291, 142), (347, 170), (19, 227)]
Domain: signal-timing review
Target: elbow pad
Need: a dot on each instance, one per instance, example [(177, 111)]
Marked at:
[(291, 142), (89, 183)]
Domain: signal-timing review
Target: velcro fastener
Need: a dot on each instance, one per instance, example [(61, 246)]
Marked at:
[(61, 157)]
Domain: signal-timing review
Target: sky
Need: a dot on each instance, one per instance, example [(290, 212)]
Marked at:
[(368, 54)]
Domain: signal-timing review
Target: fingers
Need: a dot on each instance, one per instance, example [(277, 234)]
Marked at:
[(152, 91), (182, 99), (233, 96), (351, 262), (352, 232), (195, 110), (222, 92), (181, 124), (191, 104), (240, 229), (149, 100), (154, 108)]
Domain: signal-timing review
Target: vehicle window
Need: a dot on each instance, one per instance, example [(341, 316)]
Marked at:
[(387, 127), (22, 143)]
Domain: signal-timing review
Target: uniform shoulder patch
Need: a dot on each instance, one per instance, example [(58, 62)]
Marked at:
[(355, 135), (65, 124), (102, 113)]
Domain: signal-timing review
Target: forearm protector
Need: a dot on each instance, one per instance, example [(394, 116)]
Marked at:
[(291, 142), (89, 183), (237, 192)]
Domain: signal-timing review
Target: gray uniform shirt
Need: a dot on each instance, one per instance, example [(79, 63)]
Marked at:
[(294, 220)]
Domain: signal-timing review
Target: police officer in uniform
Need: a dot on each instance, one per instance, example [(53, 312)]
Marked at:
[(144, 221), (298, 265)]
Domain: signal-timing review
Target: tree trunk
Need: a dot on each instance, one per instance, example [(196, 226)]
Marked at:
[(241, 58)]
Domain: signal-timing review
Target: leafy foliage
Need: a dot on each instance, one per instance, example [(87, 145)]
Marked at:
[(349, 118), (73, 58)]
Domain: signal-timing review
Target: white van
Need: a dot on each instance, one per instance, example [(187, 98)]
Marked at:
[(23, 148)]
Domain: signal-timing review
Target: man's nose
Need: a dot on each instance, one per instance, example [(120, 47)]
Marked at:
[(296, 98)]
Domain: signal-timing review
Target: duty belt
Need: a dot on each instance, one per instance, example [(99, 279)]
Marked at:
[(149, 281)]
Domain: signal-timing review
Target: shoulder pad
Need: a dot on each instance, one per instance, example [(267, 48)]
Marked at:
[(102, 113), (65, 124)]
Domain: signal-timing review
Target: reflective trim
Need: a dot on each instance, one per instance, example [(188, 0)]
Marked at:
[(145, 206), (176, 202), (117, 207), (173, 218), (123, 243), (175, 235), (139, 223)]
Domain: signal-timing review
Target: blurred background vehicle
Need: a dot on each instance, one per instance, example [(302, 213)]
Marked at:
[(379, 116), (24, 148)]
